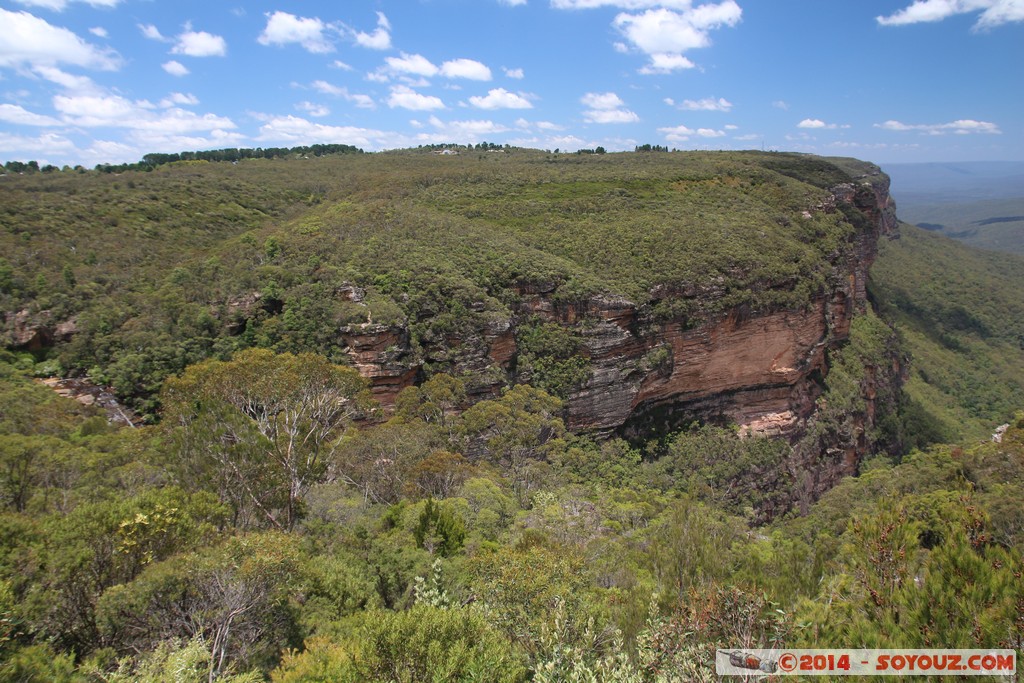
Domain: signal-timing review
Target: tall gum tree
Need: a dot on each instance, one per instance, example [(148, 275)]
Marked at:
[(262, 426)]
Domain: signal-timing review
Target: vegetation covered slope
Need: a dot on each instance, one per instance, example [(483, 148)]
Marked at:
[(194, 259), (961, 314), (255, 533)]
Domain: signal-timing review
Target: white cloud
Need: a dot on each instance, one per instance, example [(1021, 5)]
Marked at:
[(313, 109), (814, 123), (200, 44), (710, 133), (114, 111), (412, 64), (47, 144), (380, 39), (747, 138), (329, 88), (514, 73), (152, 32), (548, 125), (818, 124), (707, 104), (664, 34), (960, 127), (607, 100), (779, 104), (78, 84), (677, 133), (407, 98), (59, 5), (664, 63), (338, 64), (284, 28), (361, 101), (13, 113), (610, 116), (499, 98), (296, 130), (178, 98), (99, 32), (175, 68), (513, 3), (471, 130), (465, 68), (606, 108), (993, 12), (418, 65), (29, 40)]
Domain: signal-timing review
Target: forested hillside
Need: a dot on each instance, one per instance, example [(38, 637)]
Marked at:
[(359, 453)]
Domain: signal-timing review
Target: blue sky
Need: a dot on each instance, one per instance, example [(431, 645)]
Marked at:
[(97, 81)]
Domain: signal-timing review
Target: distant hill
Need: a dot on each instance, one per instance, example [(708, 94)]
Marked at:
[(960, 312), (978, 203)]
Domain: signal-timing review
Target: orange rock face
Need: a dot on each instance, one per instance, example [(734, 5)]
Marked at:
[(761, 370)]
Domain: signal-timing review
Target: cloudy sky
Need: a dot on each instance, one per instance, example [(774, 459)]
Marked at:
[(94, 81)]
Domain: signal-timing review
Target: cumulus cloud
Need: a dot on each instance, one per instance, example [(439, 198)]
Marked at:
[(606, 108), (959, 127), (513, 3), (114, 111), (283, 29), (99, 32), (514, 73), (465, 68), (470, 130), (361, 101), (15, 146), (993, 12), (13, 113), (666, 30), (499, 98), (313, 109), (380, 39), (406, 98), (175, 68), (813, 123), (200, 44), (70, 82), (297, 130), (707, 104), (677, 133), (29, 40), (780, 104), (178, 98), (412, 64), (818, 124), (418, 65)]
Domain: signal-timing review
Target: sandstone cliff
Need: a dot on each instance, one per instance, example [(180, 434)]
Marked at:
[(760, 369)]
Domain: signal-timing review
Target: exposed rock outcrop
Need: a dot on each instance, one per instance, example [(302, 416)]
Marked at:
[(762, 370)]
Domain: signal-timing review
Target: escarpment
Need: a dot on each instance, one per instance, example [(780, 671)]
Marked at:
[(759, 366), (645, 290)]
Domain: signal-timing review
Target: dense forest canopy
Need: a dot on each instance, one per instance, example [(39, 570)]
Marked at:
[(270, 520)]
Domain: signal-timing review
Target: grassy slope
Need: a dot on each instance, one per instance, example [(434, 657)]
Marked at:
[(961, 312)]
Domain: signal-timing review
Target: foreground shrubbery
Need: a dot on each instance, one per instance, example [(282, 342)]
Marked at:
[(487, 545)]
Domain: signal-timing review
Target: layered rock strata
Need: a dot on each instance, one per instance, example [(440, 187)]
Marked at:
[(762, 370)]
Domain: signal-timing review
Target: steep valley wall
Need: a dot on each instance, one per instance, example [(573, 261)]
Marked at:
[(762, 370)]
